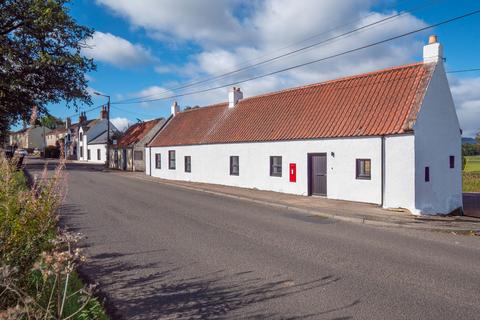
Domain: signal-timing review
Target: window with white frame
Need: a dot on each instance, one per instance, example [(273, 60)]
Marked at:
[(276, 166), (171, 159), (363, 170), (234, 165)]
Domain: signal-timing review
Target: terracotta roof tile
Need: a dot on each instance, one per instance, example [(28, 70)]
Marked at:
[(136, 133), (376, 103)]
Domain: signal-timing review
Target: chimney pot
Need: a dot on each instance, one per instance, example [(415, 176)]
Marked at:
[(175, 108), (234, 96), (433, 51)]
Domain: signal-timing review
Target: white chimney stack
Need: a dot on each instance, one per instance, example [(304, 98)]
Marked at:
[(233, 96), (175, 108), (433, 51)]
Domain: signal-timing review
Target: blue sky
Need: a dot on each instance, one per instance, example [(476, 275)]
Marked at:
[(147, 47)]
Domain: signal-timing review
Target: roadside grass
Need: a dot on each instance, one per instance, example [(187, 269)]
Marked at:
[(76, 304), (471, 174), (473, 164), (37, 259)]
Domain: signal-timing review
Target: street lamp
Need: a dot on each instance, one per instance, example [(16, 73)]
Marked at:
[(108, 126)]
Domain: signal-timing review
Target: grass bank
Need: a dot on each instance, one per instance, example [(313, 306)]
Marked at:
[(471, 174), (37, 259)]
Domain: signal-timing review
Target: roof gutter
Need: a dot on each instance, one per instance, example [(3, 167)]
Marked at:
[(382, 161), (150, 161)]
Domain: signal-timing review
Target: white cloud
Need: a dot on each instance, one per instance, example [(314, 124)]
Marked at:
[(235, 33), (117, 51), (121, 123), (202, 21), (466, 94)]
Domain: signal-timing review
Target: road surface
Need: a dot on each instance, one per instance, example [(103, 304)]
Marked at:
[(161, 252)]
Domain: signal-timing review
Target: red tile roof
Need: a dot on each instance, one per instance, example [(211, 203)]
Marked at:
[(371, 104), (136, 132)]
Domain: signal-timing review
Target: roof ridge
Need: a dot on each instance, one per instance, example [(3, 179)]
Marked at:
[(218, 104), (345, 78)]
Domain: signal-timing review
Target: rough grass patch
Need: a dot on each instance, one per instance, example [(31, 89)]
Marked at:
[(471, 181)]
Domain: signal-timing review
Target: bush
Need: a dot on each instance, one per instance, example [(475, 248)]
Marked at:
[(38, 261)]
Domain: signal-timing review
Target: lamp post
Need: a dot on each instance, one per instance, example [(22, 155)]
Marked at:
[(107, 163)]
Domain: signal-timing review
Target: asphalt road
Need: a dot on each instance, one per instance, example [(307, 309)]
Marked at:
[(160, 252)]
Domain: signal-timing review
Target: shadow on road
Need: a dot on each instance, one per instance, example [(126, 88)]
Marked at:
[(39, 164), (159, 294)]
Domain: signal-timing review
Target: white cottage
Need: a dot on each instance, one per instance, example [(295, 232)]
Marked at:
[(92, 138), (389, 137)]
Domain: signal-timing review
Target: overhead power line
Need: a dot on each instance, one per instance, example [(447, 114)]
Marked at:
[(134, 113), (87, 111), (316, 60), (304, 48), (464, 70)]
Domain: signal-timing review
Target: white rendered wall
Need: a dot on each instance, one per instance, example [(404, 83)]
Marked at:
[(400, 172), (93, 153), (210, 164), (437, 136), (148, 159), (82, 143)]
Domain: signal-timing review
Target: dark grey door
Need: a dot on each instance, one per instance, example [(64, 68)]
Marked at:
[(317, 173), (124, 159)]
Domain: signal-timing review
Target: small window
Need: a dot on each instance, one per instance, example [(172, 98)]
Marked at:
[(158, 161), (452, 162), (81, 136), (427, 174), (234, 166), (364, 169), (81, 152), (138, 155), (171, 159), (99, 154), (188, 164), (88, 154), (276, 166)]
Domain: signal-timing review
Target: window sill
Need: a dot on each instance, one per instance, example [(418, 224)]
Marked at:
[(364, 178)]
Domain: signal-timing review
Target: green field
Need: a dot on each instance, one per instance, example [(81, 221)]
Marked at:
[(473, 164), (471, 174)]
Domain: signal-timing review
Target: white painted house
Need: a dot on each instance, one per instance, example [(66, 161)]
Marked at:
[(389, 137), (92, 138)]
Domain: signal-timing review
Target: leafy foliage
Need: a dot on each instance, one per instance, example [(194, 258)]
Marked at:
[(40, 58), (38, 261)]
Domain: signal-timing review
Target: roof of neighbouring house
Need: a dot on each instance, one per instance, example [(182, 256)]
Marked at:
[(371, 104), (56, 131), (137, 132), (102, 137), (88, 124)]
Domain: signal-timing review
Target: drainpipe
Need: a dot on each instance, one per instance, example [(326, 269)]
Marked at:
[(150, 160), (383, 170)]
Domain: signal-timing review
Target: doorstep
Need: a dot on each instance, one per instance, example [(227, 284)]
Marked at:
[(348, 211)]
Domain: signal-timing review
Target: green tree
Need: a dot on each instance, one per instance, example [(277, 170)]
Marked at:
[(478, 141), (40, 58), (50, 122)]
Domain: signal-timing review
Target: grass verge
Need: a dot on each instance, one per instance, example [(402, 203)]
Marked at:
[(37, 259)]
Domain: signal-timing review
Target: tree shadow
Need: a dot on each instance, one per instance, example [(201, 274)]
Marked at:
[(154, 291)]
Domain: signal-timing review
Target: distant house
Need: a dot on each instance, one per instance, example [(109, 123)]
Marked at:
[(55, 135), (92, 138), (128, 152), (29, 138), (72, 136), (389, 137)]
